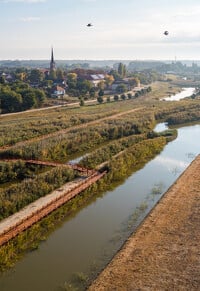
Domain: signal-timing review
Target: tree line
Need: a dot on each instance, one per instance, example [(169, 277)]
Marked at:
[(20, 96)]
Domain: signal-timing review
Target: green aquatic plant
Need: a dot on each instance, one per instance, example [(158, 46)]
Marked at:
[(157, 189)]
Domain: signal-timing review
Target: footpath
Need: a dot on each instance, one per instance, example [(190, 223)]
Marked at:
[(163, 253)]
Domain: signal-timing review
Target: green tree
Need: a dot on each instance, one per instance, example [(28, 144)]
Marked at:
[(134, 82), (82, 103), (116, 97), (92, 92), (17, 86), (36, 76), (29, 99), (59, 75), (149, 89), (122, 70), (47, 83), (40, 95), (121, 88), (100, 93), (10, 101), (72, 77), (2, 80), (115, 75), (84, 86), (100, 99), (123, 96), (108, 99)]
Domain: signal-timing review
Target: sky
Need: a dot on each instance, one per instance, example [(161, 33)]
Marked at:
[(122, 29)]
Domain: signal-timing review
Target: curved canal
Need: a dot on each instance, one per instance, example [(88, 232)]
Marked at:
[(84, 243)]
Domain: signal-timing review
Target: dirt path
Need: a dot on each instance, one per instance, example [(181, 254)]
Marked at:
[(163, 254), (63, 131)]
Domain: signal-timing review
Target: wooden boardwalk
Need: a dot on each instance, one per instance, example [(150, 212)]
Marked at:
[(18, 222)]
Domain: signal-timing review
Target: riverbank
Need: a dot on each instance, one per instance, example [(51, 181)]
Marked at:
[(163, 254)]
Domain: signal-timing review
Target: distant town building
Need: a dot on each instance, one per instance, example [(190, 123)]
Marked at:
[(95, 79), (7, 77), (57, 92)]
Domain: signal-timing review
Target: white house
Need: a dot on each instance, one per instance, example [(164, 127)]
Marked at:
[(96, 79), (58, 92)]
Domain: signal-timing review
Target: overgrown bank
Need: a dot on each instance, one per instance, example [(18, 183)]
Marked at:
[(16, 196), (132, 159)]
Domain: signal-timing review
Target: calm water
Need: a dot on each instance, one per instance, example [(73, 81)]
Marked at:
[(187, 92), (87, 241)]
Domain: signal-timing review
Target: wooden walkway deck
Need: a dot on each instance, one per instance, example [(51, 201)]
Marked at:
[(18, 222)]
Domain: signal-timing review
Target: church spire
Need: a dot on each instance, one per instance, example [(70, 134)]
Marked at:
[(52, 63)]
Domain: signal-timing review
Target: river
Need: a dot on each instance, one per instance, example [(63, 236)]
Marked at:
[(187, 92), (84, 243)]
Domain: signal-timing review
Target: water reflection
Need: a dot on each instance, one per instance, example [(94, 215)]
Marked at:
[(171, 163), (187, 92), (161, 127)]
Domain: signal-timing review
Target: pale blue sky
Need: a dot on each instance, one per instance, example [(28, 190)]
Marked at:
[(125, 29)]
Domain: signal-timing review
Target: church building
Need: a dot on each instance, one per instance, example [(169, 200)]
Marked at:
[(52, 63)]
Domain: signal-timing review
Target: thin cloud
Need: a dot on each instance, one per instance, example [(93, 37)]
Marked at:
[(22, 1), (189, 12), (29, 19)]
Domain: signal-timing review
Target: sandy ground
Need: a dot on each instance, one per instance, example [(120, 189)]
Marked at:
[(164, 252)]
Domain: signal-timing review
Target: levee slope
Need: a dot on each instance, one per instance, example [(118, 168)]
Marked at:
[(163, 253)]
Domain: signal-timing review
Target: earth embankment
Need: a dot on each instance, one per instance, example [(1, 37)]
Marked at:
[(163, 254)]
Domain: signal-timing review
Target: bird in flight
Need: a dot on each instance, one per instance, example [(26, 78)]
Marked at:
[(89, 25), (166, 32)]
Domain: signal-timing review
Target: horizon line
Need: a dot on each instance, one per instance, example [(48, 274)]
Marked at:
[(74, 59)]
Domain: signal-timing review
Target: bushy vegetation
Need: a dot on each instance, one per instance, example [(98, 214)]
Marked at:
[(184, 112), (28, 125), (63, 145), (120, 166), (19, 170), (105, 153), (15, 197)]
